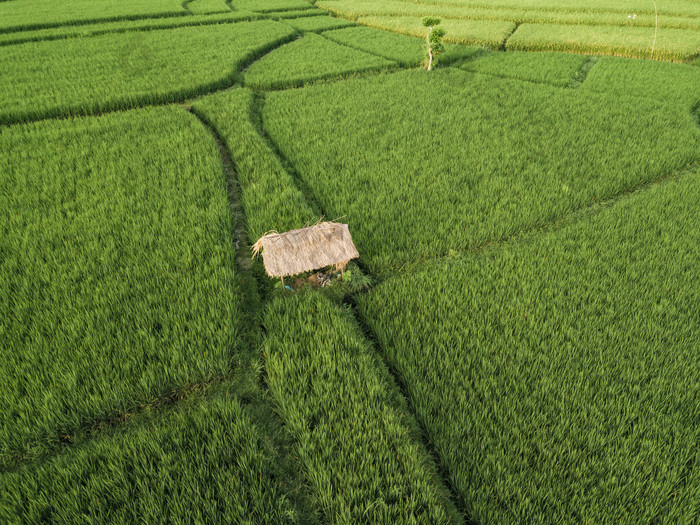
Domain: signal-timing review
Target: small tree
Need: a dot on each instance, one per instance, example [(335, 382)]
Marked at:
[(434, 45)]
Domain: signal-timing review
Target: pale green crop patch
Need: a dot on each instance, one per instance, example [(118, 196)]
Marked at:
[(636, 42), (406, 50), (467, 32)]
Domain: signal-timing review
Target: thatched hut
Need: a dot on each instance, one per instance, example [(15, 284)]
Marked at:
[(306, 249)]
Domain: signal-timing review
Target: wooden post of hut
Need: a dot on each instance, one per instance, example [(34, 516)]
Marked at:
[(306, 249)]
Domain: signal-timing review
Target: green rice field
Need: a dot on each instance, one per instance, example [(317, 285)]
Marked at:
[(518, 341)]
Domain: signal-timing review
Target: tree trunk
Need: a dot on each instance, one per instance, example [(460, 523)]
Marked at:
[(430, 50)]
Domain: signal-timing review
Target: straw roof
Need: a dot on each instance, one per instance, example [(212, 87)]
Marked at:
[(306, 249)]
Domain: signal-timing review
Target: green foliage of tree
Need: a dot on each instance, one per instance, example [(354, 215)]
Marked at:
[(434, 45)]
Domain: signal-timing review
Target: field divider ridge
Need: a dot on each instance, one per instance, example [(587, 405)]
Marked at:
[(258, 122), (243, 263), (503, 45), (185, 6)]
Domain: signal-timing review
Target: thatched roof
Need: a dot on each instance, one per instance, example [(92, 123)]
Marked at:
[(306, 249)]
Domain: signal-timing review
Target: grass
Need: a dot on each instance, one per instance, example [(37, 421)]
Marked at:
[(50, 79), (115, 247), (673, 83), (34, 14), (318, 23), (270, 199), (204, 461), (465, 32), (267, 6), (510, 155), (556, 69), (121, 27), (207, 6), (406, 50), (353, 440), (625, 29), (557, 377), (672, 44), (309, 58)]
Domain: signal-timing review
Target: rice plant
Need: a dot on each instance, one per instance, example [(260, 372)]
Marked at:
[(558, 377), (204, 461), (49, 79), (505, 155), (270, 198), (310, 58), (115, 234), (352, 437)]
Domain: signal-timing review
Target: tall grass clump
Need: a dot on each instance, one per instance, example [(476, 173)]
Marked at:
[(67, 77), (352, 437), (117, 264), (558, 377), (510, 156)]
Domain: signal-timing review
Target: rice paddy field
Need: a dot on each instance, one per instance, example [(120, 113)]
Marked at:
[(518, 342)]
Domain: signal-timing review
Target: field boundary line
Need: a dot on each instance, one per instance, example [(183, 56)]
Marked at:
[(186, 7), (561, 221), (420, 429), (504, 44)]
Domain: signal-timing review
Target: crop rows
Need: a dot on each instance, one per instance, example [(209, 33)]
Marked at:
[(352, 435), (360, 8), (115, 234), (466, 32), (48, 79), (591, 28), (421, 164), (636, 42), (204, 461), (558, 377)]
